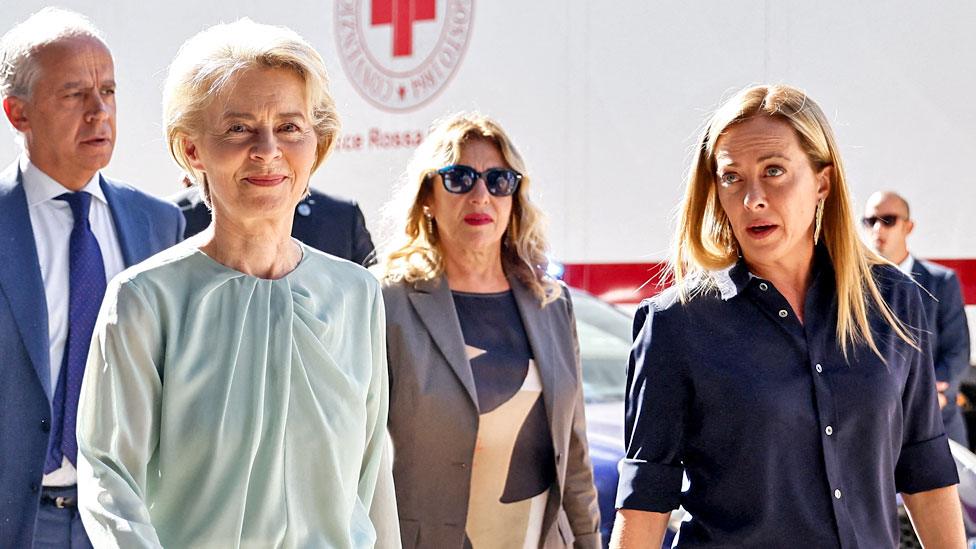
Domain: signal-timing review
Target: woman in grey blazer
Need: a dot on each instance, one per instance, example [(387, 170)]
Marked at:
[(486, 403)]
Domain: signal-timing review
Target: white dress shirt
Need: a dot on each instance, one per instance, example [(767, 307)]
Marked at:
[(52, 221), (907, 265)]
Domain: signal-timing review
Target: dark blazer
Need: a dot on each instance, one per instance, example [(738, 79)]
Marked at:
[(946, 314), (334, 226), (144, 226), (434, 416)]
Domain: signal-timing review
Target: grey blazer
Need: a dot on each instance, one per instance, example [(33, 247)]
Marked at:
[(434, 416)]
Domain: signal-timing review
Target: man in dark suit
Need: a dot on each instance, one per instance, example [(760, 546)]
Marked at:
[(65, 231), (887, 219), (325, 223)]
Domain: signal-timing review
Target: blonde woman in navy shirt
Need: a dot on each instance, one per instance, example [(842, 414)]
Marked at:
[(788, 372)]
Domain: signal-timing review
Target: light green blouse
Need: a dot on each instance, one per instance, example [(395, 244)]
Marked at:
[(223, 410)]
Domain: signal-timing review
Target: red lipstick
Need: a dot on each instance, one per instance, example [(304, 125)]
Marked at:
[(477, 219)]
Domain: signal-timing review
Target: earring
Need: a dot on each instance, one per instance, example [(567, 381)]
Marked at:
[(430, 224), (818, 222), (205, 191)]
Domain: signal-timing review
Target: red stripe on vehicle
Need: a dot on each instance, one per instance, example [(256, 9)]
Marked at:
[(624, 283)]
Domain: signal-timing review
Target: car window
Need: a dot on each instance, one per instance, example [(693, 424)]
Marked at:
[(604, 336)]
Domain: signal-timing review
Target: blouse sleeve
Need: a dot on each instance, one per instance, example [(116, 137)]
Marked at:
[(376, 490), (925, 462), (118, 420), (657, 400)]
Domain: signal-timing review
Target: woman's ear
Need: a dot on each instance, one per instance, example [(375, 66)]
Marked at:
[(426, 198), (192, 153), (824, 177)]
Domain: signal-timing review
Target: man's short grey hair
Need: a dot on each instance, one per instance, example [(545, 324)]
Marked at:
[(18, 66)]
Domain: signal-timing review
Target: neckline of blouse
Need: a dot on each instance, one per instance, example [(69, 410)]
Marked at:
[(301, 261), (502, 293)]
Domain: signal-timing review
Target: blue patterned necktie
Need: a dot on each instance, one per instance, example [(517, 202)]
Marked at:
[(86, 281)]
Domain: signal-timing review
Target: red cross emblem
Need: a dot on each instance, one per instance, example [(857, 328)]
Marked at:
[(429, 40), (402, 14)]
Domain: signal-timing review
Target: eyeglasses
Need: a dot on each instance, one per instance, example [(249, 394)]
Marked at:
[(886, 220), (460, 179)]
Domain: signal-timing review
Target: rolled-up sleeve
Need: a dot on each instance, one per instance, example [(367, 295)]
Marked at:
[(925, 462), (657, 400)]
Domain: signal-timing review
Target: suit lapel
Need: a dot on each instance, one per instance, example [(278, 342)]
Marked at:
[(921, 274), (433, 302), (538, 329), (20, 274), (131, 225), (923, 278)]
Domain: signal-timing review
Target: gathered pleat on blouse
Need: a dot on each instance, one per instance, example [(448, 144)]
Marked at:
[(224, 410)]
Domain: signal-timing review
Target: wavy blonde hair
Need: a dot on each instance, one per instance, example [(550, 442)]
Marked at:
[(208, 63), (704, 240), (417, 254)]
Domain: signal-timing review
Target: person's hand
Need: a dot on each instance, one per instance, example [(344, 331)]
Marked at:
[(942, 387)]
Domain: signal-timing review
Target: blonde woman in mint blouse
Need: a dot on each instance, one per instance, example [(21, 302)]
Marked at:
[(237, 393)]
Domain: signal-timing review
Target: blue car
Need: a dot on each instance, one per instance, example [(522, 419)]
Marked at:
[(604, 334), (605, 341)]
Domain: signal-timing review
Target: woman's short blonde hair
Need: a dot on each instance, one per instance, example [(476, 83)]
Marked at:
[(417, 254), (704, 240), (208, 62)]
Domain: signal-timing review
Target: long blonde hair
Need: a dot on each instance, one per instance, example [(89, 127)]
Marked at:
[(704, 240), (418, 255)]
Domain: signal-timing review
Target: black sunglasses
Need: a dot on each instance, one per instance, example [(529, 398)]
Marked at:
[(886, 220), (460, 179)]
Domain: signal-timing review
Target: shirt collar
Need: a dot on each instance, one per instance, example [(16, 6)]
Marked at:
[(40, 187), (733, 280), (907, 265), (736, 279)]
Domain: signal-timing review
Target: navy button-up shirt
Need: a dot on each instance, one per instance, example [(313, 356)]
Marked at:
[(785, 443)]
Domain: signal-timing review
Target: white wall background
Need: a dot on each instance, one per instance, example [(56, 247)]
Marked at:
[(604, 99)]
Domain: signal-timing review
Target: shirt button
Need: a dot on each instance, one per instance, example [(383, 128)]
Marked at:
[(837, 493), (829, 430), (763, 286), (783, 313), (819, 369)]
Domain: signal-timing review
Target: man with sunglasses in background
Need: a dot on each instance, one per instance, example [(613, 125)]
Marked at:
[(888, 223)]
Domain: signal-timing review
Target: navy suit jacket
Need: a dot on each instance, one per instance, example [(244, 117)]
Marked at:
[(328, 224), (946, 314), (144, 226)]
